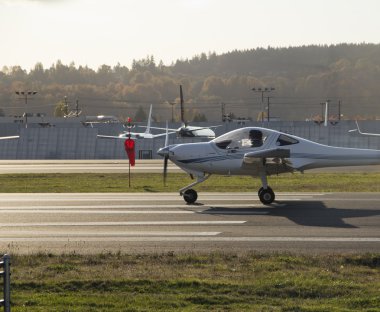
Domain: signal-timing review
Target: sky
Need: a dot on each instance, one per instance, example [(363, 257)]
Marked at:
[(97, 32)]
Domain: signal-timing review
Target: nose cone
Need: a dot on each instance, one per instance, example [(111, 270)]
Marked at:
[(164, 151)]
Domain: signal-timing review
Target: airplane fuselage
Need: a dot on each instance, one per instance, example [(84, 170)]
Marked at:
[(214, 158)]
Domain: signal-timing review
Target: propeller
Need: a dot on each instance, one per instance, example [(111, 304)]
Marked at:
[(182, 107), (166, 155)]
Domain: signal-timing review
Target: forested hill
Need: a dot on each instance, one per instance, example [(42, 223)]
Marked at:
[(303, 77)]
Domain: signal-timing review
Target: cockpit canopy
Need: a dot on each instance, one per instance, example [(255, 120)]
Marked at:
[(252, 138)]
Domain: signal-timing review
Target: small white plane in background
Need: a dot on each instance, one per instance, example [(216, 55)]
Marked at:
[(363, 133), (186, 131), (137, 135), (258, 152)]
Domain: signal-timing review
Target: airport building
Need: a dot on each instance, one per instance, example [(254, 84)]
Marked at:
[(76, 137)]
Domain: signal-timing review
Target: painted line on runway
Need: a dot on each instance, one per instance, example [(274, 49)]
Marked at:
[(42, 235), (221, 212), (127, 223), (196, 239), (49, 211), (110, 206)]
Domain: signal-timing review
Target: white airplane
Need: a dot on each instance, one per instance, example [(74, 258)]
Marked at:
[(186, 131), (137, 135), (363, 133), (258, 152)]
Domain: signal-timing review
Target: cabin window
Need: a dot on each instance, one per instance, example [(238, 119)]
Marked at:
[(286, 140)]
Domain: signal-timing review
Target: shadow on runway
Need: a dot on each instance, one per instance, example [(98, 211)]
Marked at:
[(306, 213)]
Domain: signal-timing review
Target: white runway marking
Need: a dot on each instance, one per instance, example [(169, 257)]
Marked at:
[(50, 211), (43, 235), (191, 238), (127, 223)]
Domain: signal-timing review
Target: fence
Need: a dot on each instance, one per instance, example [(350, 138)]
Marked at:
[(6, 274)]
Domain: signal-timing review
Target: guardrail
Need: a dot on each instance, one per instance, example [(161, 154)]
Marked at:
[(6, 274)]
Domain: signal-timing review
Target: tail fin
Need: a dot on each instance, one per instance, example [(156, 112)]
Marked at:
[(167, 134), (147, 131)]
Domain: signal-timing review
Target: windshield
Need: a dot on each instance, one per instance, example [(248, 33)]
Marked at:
[(241, 138)]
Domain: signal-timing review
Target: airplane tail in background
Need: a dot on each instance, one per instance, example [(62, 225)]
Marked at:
[(147, 131)]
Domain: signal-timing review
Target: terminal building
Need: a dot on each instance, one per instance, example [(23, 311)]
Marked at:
[(76, 137)]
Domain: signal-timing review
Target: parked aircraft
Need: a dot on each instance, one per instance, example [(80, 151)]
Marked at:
[(137, 135), (363, 133), (186, 131), (258, 152)]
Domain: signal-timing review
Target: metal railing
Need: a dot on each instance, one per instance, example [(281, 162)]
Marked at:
[(5, 263)]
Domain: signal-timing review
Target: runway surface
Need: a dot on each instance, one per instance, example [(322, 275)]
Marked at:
[(162, 222), (119, 165)]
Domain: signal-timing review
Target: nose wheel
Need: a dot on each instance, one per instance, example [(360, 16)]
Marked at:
[(266, 196), (190, 196)]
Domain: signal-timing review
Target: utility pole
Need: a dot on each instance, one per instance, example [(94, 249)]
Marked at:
[(262, 91), (172, 104), (24, 95), (77, 107), (339, 112), (268, 110)]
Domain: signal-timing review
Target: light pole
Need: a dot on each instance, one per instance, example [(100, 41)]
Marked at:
[(262, 91), (24, 95), (172, 104)]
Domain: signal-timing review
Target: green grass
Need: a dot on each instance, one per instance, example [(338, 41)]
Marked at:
[(195, 282), (152, 182)]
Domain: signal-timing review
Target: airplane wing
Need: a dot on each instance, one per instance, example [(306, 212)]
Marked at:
[(158, 128), (10, 137), (134, 135), (363, 133), (273, 161), (110, 137), (268, 153)]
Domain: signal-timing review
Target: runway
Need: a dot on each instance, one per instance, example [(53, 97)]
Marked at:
[(162, 222), (119, 165)]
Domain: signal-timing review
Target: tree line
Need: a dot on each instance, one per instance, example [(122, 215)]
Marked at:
[(302, 78)]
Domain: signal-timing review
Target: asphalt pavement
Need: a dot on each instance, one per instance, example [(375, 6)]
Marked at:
[(161, 222)]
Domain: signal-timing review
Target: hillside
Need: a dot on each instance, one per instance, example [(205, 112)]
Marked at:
[(303, 77)]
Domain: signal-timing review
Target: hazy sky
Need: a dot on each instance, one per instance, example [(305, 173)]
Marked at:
[(96, 32)]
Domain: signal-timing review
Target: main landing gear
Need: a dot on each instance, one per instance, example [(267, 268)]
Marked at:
[(265, 193), (189, 195), (266, 196)]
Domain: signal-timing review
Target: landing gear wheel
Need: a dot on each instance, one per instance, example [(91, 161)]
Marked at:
[(190, 196), (261, 189), (267, 196)]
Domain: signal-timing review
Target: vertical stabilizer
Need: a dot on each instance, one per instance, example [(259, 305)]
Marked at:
[(147, 131)]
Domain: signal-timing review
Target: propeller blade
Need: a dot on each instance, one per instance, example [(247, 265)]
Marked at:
[(182, 106), (165, 168)]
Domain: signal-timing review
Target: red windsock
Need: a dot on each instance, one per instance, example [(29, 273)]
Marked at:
[(129, 146)]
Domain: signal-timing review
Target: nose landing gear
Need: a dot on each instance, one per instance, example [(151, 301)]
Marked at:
[(189, 195)]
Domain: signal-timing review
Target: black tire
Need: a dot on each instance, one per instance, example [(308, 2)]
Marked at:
[(261, 189), (267, 196), (190, 196)]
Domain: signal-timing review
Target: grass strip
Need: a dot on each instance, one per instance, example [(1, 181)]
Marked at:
[(195, 282), (152, 182)]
